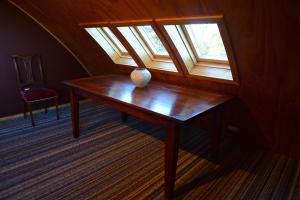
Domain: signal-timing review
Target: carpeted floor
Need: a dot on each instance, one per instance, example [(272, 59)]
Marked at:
[(114, 160)]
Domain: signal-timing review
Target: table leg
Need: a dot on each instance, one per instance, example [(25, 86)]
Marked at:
[(124, 116), (75, 113), (217, 132), (171, 156)]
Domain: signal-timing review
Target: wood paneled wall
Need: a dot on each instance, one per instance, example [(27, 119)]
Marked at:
[(265, 39)]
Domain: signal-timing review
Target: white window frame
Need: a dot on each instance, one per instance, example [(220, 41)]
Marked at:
[(104, 40), (194, 66), (149, 44), (141, 48), (194, 48), (113, 43)]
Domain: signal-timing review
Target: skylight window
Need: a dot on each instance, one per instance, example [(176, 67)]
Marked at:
[(152, 41), (206, 41), (115, 40), (202, 46), (148, 46), (111, 45), (196, 47)]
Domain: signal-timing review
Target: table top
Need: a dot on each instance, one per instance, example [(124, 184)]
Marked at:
[(178, 103)]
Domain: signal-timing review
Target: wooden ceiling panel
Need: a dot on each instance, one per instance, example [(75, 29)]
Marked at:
[(61, 22), (61, 18)]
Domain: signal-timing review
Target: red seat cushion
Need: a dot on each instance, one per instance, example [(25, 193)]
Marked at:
[(36, 94)]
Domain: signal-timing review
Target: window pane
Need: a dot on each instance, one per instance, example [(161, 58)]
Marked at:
[(98, 37), (115, 40), (207, 41), (152, 40), (107, 45)]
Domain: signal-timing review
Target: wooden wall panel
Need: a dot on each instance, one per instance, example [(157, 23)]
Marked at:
[(265, 39), (287, 52)]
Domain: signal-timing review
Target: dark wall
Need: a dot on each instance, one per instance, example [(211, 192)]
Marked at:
[(20, 34)]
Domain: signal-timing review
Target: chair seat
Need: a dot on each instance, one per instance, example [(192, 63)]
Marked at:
[(38, 94)]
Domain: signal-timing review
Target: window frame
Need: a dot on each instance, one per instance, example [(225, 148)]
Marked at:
[(118, 58), (113, 43), (193, 48), (148, 43), (187, 66), (157, 63), (206, 68)]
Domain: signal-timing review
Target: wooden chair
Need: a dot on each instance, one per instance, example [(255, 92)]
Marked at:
[(32, 84)]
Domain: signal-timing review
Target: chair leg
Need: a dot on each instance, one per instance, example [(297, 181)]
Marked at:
[(25, 109), (56, 108), (31, 116)]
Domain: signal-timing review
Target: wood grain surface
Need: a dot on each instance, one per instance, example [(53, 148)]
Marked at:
[(176, 103)]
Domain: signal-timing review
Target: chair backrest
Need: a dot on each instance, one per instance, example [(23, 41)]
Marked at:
[(28, 70)]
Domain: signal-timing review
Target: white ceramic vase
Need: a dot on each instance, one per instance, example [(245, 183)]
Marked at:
[(140, 77)]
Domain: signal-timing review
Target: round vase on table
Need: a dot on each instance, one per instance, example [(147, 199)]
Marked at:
[(140, 77)]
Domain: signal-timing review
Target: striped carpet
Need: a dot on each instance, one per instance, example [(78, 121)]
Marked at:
[(114, 160)]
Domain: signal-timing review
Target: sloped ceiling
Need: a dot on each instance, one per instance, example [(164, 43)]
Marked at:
[(264, 35), (61, 18)]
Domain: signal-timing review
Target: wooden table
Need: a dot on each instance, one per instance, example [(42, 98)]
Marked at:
[(161, 103)]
